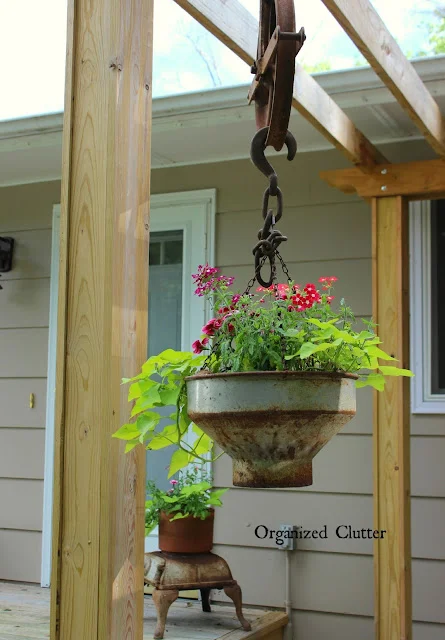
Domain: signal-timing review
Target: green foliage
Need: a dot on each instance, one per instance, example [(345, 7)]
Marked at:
[(295, 329), (161, 383), (190, 495), (435, 28), (323, 65), (436, 32)]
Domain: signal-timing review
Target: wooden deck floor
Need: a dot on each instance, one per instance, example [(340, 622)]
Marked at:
[(24, 615)]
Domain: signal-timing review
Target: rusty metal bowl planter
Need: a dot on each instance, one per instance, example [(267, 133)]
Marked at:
[(186, 535), (271, 423)]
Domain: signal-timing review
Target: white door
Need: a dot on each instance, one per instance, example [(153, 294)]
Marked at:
[(182, 233)]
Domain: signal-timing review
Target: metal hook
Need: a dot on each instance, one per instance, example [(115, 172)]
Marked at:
[(257, 149)]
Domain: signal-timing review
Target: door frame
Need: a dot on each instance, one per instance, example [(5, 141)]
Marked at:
[(192, 211)]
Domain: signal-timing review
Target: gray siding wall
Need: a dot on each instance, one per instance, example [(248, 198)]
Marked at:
[(333, 583), (26, 215)]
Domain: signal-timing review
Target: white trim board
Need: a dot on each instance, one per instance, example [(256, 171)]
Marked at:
[(337, 82), (422, 400), (50, 398), (194, 213), (30, 148)]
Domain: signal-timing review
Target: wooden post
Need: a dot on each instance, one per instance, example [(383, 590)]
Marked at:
[(98, 526), (392, 556)]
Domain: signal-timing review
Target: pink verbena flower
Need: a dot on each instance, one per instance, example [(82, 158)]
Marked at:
[(211, 327), (282, 287), (198, 345), (207, 281), (327, 281), (204, 273)]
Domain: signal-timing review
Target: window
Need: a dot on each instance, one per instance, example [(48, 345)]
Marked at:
[(164, 323), (427, 262)]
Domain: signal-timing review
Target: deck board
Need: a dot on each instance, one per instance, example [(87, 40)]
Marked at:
[(24, 615)]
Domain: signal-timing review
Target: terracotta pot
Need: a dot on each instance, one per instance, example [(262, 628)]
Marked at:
[(186, 535), (271, 423)]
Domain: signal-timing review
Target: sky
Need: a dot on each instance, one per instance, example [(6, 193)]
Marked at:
[(186, 57)]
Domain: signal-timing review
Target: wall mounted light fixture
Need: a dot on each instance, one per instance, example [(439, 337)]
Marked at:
[(6, 249)]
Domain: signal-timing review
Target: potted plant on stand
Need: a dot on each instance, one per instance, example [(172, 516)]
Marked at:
[(271, 380), (184, 513)]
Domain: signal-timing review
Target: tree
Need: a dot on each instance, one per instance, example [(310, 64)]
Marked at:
[(323, 65), (436, 30), (200, 41)]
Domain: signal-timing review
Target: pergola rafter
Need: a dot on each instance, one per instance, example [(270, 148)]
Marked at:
[(98, 526), (367, 30), (415, 180)]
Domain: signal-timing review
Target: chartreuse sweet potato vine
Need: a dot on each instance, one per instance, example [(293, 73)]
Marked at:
[(284, 328), (161, 383)]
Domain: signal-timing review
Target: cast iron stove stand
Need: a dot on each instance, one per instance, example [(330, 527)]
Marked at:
[(170, 573)]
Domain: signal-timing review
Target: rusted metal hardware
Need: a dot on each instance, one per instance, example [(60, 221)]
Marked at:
[(272, 91), (269, 238), (269, 241), (170, 573), (274, 69), (272, 437), (257, 155)]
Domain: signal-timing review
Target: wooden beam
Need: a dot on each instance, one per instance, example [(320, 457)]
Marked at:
[(416, 180), (98, 527), (235, 27), (269, 627), (392, 495), (325, 115), (368, 32)]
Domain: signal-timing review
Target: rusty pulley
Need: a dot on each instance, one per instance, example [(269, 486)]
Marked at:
[(274, 68), (272, 91)]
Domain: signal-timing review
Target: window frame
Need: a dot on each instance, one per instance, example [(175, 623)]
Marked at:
[(423, 401)]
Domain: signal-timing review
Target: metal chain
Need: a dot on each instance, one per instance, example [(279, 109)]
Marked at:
[(283, 266), (254, 277), (213, 348), (269, 237)]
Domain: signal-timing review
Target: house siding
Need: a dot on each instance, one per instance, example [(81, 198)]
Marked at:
[(329, 234), (26, 215)]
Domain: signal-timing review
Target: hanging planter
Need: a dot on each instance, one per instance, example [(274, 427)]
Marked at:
[(272, 379), (281, 366), (272, 423)]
